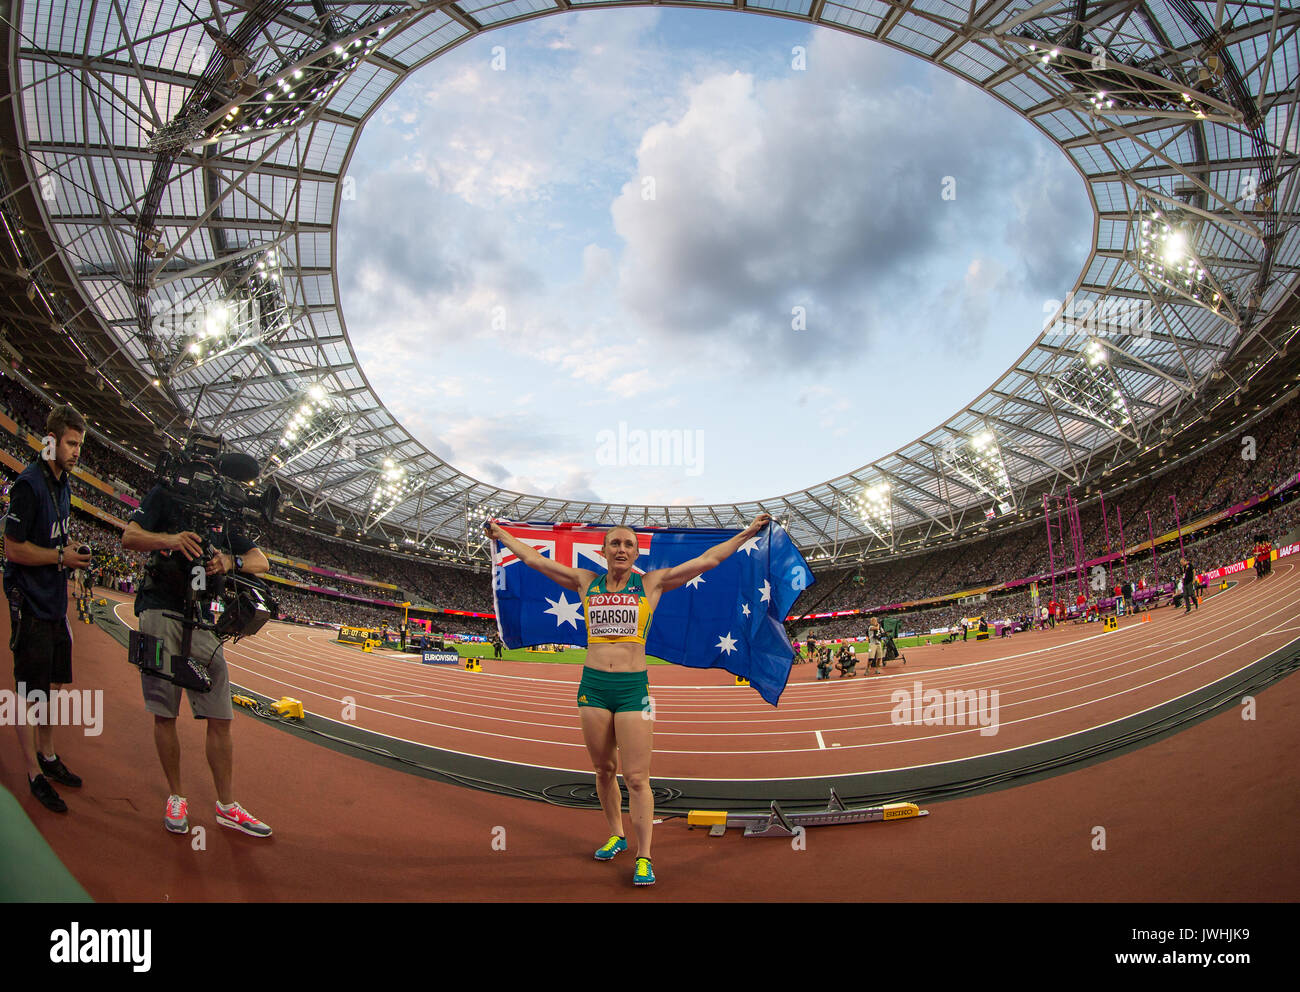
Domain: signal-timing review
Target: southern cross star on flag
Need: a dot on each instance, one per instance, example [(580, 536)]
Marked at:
[(730, 617)]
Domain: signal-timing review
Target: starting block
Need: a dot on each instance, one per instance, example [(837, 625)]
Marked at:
[(778, 823), (289, 708), (1223, 586), (741, 681), (1110, 623), (473, 665)]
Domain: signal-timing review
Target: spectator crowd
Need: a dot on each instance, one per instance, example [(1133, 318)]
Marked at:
[(1212, 481)]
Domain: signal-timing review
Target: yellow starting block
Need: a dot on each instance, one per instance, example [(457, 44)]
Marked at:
[(778, 823), (1110, 623), (473, 665), (289, 708), (1223, 586), (741, 681)]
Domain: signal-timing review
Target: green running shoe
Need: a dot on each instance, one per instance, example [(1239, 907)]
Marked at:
[(644, 873), (615, 845)]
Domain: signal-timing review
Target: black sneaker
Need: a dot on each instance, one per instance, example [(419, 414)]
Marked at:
[(58, 771), (43, 791)]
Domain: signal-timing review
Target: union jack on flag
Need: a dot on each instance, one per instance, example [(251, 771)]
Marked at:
[(730, 617), (575, 545)]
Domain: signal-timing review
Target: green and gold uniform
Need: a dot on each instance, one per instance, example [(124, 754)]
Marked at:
[(615, 618)]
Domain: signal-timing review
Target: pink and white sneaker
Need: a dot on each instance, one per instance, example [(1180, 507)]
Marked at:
[(235, 816), (177, 818)]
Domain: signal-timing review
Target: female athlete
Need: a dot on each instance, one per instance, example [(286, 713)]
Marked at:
[(614, 695)]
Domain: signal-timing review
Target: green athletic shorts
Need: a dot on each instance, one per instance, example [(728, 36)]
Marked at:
[(620, 692)]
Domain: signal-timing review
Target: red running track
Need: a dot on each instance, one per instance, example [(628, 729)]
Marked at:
[(1046, 684)]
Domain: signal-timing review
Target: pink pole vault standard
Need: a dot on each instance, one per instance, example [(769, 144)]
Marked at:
[(1051, 553), (1058, 558), (1155, 558), (1123, 556), (1076, 539), (1106, 527)]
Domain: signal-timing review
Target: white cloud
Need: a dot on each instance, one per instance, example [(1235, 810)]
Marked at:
[(819, 189), (499, 225), (597, 266)]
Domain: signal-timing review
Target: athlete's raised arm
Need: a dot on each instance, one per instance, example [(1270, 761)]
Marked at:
[(668, 579), (576, 579)]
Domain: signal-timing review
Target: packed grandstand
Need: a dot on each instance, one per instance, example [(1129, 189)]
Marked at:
[(1209, 507)]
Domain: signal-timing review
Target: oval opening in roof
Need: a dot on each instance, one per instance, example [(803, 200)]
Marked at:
[(678, 256)]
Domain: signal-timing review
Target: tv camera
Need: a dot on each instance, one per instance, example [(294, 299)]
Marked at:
[(214, 487)]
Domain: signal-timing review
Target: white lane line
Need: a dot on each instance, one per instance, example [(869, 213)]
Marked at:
[(820, 743), (1266, 605)]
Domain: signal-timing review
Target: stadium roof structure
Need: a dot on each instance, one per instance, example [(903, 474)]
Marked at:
[(174, 171)]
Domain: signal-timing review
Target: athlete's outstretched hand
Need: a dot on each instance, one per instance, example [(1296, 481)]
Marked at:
[(493, 531), (760, 521)]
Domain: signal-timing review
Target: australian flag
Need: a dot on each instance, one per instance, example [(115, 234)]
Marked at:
[(730, 617)]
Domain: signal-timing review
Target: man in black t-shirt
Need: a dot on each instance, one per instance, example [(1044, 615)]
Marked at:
[(160, 525), (36, 585)]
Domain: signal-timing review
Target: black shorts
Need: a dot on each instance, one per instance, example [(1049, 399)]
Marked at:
[(42, 653)]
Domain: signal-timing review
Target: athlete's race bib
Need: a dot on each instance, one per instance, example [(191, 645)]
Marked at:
[(613, 614)]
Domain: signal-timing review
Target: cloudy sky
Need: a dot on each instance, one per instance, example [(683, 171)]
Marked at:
[(794, 249)]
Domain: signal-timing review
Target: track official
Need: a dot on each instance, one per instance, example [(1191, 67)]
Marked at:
[(36, 585)]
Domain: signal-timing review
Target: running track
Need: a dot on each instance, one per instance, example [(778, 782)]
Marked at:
[(1049, 684)]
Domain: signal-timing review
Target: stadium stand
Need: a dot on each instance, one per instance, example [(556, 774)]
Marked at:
[(1209, 482)]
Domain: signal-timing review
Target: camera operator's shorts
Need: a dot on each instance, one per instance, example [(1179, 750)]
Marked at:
[(875, 650), (42, 653), (163, 698), (620, 692)]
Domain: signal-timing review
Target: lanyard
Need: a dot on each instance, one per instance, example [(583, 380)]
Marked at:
[(55, 487)]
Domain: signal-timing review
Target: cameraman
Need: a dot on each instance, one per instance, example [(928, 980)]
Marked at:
[(160, 526), (36, 585)]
